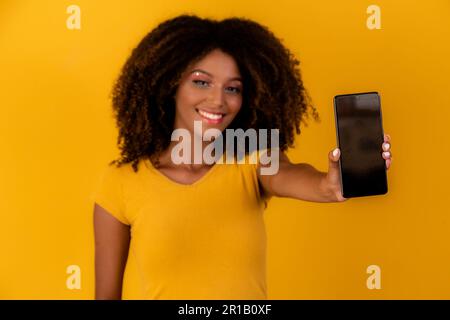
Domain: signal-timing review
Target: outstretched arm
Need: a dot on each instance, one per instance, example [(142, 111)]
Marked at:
[(302, 181)]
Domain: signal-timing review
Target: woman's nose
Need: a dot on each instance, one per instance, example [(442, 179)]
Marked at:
[(216, 95)]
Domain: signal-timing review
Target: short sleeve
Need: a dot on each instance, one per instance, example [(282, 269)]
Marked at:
[(251, 160), (265, 198), (108, 193)]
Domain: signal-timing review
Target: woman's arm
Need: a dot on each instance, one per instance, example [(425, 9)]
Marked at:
[(112, 239), (302, 181), (297, 180)]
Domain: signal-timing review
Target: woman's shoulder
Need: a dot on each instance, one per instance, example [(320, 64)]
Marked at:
[(123, 171)]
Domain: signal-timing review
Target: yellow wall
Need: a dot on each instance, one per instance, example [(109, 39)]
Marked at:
[(57, 131)]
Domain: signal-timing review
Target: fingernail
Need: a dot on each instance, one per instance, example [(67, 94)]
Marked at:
[(335, 152), (386, 154), (387, 146)]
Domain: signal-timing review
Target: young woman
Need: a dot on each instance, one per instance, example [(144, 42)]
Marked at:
[(196, 230)]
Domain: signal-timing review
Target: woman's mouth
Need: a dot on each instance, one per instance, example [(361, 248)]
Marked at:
[(211, 117)]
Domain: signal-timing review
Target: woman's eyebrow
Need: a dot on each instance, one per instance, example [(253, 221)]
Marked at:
[(209, 74)]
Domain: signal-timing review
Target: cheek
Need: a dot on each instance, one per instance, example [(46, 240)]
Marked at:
[(234, 104), (186, 99)]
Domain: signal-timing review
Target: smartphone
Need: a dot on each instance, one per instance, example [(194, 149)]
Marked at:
[(359, 135)]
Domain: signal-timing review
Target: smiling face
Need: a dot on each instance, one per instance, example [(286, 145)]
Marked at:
[(210, 91)]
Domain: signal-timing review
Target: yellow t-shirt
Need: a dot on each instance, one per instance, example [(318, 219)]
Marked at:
[(206, 240)]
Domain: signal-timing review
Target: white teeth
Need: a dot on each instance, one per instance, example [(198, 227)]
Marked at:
[(211, 116)]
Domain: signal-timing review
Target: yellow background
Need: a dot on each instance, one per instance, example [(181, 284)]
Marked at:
[(57, 131)]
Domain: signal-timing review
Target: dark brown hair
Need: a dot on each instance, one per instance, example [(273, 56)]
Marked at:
[(143, 95)]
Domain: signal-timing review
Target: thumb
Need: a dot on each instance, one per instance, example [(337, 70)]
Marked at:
[(333, 156)]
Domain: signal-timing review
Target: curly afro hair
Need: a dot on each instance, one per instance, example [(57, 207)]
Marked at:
[(143, 95)]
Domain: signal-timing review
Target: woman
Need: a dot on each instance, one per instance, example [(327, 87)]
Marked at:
[(196, 230)]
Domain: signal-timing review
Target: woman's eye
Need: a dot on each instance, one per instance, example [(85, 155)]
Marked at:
[(200, 82), (235, 89)]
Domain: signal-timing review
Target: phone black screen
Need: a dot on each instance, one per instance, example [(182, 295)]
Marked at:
[(360, 136)]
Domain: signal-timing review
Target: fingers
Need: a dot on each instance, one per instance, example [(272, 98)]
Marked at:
[(387, 142), (388, 164), (387, 154), (388, 157)]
